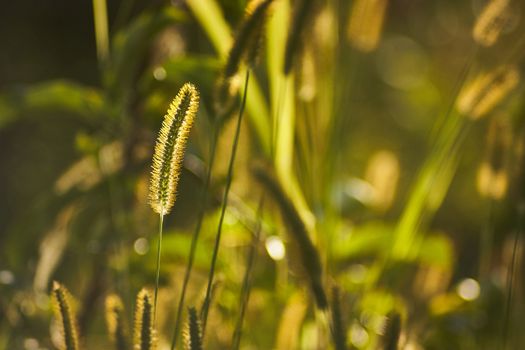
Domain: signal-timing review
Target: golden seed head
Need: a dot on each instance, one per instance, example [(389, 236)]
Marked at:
[(486, 91), (144, 334), (491, 22), (366, 24), (62, 307), (169, 149)]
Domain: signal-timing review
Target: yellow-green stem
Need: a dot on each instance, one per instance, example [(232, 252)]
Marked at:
[(206, 304), (159, 247)]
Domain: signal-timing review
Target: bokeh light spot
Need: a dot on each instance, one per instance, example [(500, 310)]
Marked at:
[(275, 248)]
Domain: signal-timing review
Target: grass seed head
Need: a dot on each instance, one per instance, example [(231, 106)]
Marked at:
[(169, 149), (494, 18), (115, 321), (486, 91), (62, 307), (302, 14), (144, 337), (193, 331)]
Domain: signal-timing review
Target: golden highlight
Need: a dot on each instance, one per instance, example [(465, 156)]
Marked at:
[(366, 24)]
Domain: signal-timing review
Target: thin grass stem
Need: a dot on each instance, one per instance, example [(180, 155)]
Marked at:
[(159, 248), (195, 238), (206, 304), (510, 287), (247, 280)]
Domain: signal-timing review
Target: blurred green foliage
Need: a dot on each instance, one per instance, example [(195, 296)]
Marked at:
[(369, 147)]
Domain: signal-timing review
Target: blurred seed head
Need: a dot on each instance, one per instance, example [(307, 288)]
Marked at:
[(486, 91), (366, 24), (492, 21), (492, 176)]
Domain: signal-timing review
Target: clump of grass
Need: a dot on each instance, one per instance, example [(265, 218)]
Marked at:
[(244, 49), (144, 334), (366, 24), (491, 22), (193, 331), (167, 159), (62, 308), (115, 321), (486, 91), (308, 254)]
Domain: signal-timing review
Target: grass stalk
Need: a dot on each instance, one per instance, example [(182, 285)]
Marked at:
[(195, 238), (510, 287), (100, 15), (247, 280), (206, 304), (157, 274)]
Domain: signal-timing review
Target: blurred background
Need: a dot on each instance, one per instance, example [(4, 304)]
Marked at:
[(79, 114)]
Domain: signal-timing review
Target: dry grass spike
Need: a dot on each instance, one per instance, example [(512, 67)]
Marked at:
[(491, 22), (169, 149), (144, 334), (62, 308)]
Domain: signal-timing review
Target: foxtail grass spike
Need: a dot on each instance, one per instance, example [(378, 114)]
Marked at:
[(338, 328), (64, 313), (115, 321), (491, 22), (309, 256), (193, 331), (302, 13), (245, 48), (169, 149), (486, 91), (366, 24), (144, 334), (392, 331)]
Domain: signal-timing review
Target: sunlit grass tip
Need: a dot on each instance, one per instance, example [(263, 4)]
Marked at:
[(491, 22), (487, 90), (62, 307), (115, 321), (169, 149), (144, 334), (193, 331)]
